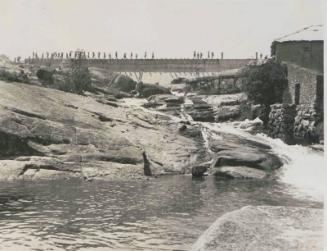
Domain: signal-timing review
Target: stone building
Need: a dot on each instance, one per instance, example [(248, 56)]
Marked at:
[(302, 54)]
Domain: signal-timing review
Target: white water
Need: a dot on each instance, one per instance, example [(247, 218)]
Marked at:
[(165, 78), (303, 169)]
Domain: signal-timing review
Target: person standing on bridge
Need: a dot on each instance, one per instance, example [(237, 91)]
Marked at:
[(152, 55), (194, 54), (131, 55), (144, 55), (104, 55), (136, 56), (116, 55)]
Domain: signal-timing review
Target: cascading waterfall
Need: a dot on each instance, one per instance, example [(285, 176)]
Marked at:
[(303, 167), (303, 170)]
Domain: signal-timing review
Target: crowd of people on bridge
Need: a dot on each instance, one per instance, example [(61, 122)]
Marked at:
[(88, 55), (210, 55), (81, 54)]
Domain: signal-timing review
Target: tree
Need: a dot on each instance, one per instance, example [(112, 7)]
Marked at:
[(265, 82), (79, 78)]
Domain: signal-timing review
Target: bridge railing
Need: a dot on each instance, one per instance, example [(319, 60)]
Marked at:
[(149, 65)]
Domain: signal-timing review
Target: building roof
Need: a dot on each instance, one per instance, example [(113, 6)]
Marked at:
[(310, 33)]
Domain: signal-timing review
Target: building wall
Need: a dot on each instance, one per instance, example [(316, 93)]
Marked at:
[(304, 61), (307, 79), (308, 54)]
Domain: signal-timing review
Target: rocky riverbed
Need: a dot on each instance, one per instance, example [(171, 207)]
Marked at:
[(48, 133), (51, 134)]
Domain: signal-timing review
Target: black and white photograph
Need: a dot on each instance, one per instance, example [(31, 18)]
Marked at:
[(164, 125)]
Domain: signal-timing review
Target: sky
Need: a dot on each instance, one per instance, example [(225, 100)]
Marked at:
[(169, 28)]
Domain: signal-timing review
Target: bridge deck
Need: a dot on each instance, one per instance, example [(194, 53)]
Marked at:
[(150, 65)]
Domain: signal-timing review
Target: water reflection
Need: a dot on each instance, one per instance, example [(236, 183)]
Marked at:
[(161, 214)]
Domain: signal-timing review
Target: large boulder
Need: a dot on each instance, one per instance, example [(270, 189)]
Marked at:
[(84, 135), (239, 172), (148, 90), (251, 125), (200, 111), (199, 170), (168, 99), (265, 228), (123, 83), (227, 112), (235, 156), (245, 157)]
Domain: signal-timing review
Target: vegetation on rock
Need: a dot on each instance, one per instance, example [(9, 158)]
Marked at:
[(265, 83), (45, 76), (79, 79), (13, 76)]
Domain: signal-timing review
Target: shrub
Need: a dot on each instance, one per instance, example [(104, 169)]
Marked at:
[(45, 76), (80, 78), (14, 76), (265, 83)]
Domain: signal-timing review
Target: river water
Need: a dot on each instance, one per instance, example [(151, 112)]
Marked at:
[(167, 213)]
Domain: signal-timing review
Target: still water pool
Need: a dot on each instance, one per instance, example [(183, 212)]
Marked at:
[(168, 213)]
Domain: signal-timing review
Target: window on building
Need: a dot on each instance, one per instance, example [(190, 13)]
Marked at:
[(297, 93)]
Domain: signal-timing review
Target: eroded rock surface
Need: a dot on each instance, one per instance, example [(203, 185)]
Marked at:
[(239, 172), (84, 136), (265, 228)]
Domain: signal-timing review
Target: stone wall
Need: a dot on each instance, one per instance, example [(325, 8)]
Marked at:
[(301, 124), (281, 122), (306, 124)]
